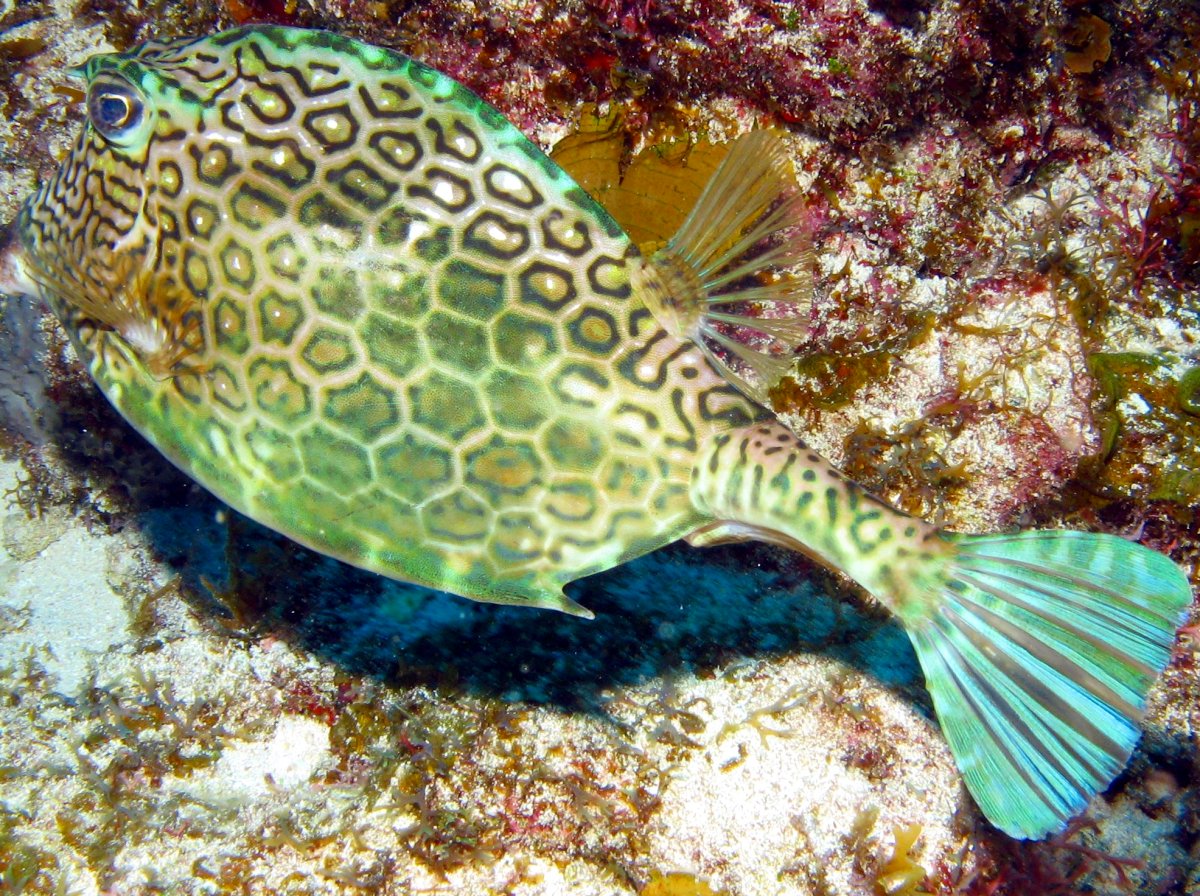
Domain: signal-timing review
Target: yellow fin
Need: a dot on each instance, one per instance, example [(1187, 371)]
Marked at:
[(648, 193)]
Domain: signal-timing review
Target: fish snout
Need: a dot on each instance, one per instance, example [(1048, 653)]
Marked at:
[(14, 281)]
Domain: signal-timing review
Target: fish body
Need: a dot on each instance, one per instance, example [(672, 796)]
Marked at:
[(408, 339), (348, 297)]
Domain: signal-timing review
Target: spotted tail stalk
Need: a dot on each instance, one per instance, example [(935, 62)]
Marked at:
[(1038, 648)]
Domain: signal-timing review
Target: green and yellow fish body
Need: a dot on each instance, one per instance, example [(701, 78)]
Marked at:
[(353, 301), (363, 309)]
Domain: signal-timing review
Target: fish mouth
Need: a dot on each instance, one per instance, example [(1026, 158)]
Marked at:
[(14, 279)]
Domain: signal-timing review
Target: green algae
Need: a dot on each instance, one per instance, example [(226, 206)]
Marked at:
[(831, 380), (1188, 391), (1150, 428)]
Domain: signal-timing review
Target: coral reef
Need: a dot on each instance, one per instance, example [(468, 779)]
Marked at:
[(1006, 331)]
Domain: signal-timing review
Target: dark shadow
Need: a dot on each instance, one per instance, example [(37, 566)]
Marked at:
[(911, 15), (676, 609)]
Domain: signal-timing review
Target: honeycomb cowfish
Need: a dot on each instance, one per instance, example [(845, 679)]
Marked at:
[(352, 300)]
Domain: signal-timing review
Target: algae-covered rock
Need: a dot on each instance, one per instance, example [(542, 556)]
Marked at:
[(1151, 427)]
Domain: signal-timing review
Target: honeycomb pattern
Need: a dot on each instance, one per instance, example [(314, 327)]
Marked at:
[(418, 349)]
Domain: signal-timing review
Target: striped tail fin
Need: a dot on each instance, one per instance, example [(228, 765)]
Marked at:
[(1038, 657)]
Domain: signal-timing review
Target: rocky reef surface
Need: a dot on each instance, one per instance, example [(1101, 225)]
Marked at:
[(1006, 331)]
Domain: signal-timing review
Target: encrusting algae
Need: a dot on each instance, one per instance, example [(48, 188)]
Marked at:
[(353, 301)]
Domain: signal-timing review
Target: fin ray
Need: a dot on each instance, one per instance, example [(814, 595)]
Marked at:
[(737, 246), (1039, 654)]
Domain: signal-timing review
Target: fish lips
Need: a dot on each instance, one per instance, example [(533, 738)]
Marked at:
[(14, 280)]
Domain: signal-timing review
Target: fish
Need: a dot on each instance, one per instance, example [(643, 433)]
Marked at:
[(348, 297)]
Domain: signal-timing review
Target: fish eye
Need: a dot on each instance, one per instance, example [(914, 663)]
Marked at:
[(114, 108)]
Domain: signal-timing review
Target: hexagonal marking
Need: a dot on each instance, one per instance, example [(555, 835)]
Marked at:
[(445, 405), (455, 140), (626, 480), (200, 218), (396, 226), (444, 189), (400, 150), (335, 462), (225, 388), (413, 468), (277, 392), (332, 225), (229, 326), (457, 341), (399, 292), (381, 519), (335, 128), (275, 450), (392, 345), (187, 387), (279, 317), (238, 264), (632, 423), (511, 186), (547, 286), (471, 290), (388, 100), (362, 185), (252, 207), (170, 178), (522, 342), (569, 235), (269, 103), (516, 402), (503, 467), (214, 164), (594, 330), (580, 384), (518, 537), (283, 161), (495, 236), (232, 116), (197, 274), (610, 277), (328, 350), (365, 408), (574, 501), (436, 246), (458, 517), (168, 229), (572, 445), (323, 78), (338, 293), (284, 259)]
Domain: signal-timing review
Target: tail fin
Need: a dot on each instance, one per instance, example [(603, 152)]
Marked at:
[(1038, 657), (739, 245)]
